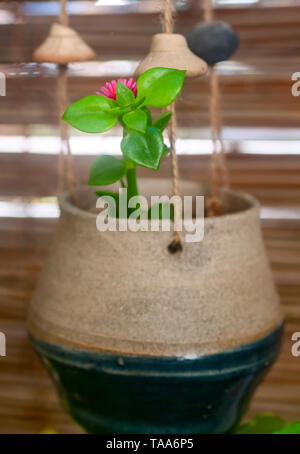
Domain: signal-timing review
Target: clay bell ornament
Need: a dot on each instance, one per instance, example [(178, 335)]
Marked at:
[(63, 45), (171, 50), (213, 41)]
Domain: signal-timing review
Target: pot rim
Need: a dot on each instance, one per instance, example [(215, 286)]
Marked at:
[(66, 204)]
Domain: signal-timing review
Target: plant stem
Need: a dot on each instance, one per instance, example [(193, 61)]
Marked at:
[(132, 183)]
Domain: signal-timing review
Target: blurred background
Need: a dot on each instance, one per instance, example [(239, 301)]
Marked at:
[(262, 137)]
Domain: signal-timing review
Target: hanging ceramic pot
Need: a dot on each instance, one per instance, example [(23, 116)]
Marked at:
[(171, 50), (141, 341), (63, 45)]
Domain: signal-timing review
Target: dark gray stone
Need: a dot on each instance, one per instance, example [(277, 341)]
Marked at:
[(213, 42)]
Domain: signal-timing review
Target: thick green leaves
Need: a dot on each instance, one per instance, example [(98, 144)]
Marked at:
[(160, 86), (137, 120), (138, 103), (91, 114), (145, 150), (142, 142), (293, 428), (266, 423), (106, 170), (125, 96), (162, 122), (115, 196), (166, 150), (148, 113)]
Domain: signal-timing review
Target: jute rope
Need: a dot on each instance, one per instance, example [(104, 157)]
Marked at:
[(175, 245), (168, 17), (63, 17), (218, 160), (208, 14), (65, 160)]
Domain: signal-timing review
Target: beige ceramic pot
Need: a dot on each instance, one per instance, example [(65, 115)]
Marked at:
[(123, 297)]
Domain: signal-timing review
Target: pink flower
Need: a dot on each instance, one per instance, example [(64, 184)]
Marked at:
[(110, 89)]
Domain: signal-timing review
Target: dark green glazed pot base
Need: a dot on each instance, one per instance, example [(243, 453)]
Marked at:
[(122, 394)]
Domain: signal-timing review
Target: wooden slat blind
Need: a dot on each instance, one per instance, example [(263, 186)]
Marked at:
[(255, 93)]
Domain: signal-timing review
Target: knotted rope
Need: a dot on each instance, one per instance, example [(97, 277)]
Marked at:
[(218, 161), (65, 160), (63, 16), (175, 245)]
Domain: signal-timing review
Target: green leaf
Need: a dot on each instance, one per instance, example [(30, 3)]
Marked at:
[(293, 428), (112, 194), (160, 86), (145, 150), (136, 120), (138, 103), (162, 122), (166, 150), (91, 114), (266, 423), (105, 170), (148, 113), (125, 96)]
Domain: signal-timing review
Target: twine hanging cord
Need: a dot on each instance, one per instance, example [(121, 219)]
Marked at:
[(208, 14), (63, 16), (218, 168), (167, 17), (65, 161), (176, 245)]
